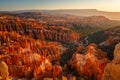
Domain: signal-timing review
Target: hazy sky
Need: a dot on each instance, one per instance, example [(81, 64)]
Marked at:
[(105, 5)]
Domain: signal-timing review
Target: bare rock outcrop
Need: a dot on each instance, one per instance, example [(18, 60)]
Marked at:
[(37, 31), (89, 62), (112, 70), (28, 57)]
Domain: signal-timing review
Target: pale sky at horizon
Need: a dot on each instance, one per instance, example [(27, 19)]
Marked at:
[(104, 5)]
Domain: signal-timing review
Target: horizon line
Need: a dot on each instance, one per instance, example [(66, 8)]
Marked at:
[(56, 9)]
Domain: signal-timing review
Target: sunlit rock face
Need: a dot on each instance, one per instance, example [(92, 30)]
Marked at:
[(112, 70), (28, 57), (13, 43), (90, 63), (55, 73), (27, 65), (33, 30)]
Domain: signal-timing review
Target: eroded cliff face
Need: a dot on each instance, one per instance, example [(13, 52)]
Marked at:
[(28, 57), (112, 69), (89, 62), (13, 43), (33, 50), (32, 29)]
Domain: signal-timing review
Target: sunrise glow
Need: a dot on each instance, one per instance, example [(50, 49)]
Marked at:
[(104, 5)]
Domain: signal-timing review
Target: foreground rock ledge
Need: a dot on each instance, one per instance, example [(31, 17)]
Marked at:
[(112, 70), (91, 63)]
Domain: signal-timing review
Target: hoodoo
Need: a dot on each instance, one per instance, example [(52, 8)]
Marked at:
[(112, 70)]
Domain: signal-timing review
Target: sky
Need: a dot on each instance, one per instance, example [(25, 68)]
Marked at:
[(104, 5)]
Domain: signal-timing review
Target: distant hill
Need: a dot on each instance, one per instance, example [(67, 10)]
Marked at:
[(88, 12), (78, 12)]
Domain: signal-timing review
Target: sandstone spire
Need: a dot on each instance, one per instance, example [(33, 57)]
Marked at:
[(112, 70)]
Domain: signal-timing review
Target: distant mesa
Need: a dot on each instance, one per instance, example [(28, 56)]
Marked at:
[(79, 12)]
